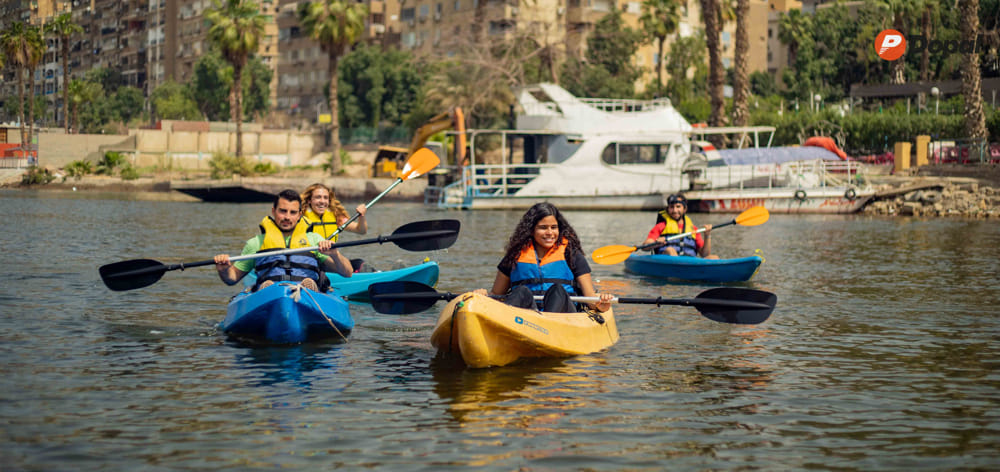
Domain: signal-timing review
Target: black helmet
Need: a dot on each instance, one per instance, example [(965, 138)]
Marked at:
[(677, 198)]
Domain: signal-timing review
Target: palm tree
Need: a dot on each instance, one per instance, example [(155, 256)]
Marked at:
[(24, 47), (711, 15), (898, 10), (975, 119), (336, 25), (78, 93), (794, 29), (236, 27), (64, 28), (659, 20), (741, 79)]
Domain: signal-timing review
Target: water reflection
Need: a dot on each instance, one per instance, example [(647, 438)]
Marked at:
[(271, 365)]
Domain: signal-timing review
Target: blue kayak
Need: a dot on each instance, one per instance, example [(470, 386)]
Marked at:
[(284, 313), (355, 287), (694, 268)]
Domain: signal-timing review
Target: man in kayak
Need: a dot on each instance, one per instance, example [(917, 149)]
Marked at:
[(282, 229), (673, 221)]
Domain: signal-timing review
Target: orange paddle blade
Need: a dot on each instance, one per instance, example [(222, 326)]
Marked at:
[(753, 217), (419, 164), (608, 255)]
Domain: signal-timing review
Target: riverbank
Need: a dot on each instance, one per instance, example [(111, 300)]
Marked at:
[(931, 191)]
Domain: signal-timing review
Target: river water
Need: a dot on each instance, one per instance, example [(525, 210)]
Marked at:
[(882, 354)]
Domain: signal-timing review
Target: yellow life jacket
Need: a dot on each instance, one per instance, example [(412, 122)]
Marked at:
[(289, 267), (687, 245), (324, 225), (274, 239)]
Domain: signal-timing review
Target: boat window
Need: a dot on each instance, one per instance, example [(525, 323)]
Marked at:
[(626, 154)]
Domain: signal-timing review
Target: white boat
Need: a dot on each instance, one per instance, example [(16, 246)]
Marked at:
[(612, 154)]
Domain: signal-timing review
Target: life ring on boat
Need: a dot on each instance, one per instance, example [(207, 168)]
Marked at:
[(800, 195), (851, 194)]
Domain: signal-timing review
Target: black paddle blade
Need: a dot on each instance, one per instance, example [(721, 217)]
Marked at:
[(736, 315), (428, 235), (403, 297), (132, 274)]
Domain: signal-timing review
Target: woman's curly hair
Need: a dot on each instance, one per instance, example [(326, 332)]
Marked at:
[(338, 208), (525, 229)]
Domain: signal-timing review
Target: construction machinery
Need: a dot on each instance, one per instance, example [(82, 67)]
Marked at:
[(390, 159)]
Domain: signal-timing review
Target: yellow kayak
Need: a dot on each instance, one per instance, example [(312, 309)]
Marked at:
[(487, 332)]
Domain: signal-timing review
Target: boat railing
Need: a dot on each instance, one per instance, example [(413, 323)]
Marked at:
[(796, 174), (609, 105)]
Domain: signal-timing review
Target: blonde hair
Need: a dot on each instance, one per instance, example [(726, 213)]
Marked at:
[(335, 206)]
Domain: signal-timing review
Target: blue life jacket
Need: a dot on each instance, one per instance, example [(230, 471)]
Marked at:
[(288, 267), (686, 246)]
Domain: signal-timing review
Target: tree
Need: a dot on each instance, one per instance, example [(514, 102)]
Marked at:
[(686, 53), (975, 119), (898, 10), (64, 28), (256, 89), (741, 81), (81, 93), (604, 73), (172, 101), (659, 20), (711, 15), (210, 85), (24, 47), (235, 28), (484, 99), (127, 103), (336, 25), (378, 86)]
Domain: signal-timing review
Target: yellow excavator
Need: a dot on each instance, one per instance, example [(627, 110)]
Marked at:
[(390, 159)]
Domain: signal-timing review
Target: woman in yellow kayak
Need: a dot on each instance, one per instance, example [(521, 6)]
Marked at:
[(323, 214), (544, 257)]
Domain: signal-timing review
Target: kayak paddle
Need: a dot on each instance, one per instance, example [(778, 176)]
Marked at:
[(608, 255), (725, 304), (417, 236), (418, 164)]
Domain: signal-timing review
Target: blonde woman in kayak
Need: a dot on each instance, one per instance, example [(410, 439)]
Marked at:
[(325, 213), (544, 257)]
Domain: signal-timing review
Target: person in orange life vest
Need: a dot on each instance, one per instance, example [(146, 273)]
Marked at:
[(544, 257), (324, 214), (280, 230), (674, 220)]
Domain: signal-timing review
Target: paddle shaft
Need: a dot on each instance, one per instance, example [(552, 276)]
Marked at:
[(683, 235), (380, 240), (398, 181), (716, 303)]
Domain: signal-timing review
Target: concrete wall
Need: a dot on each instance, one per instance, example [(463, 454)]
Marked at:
[(57, 149), (177, 149)]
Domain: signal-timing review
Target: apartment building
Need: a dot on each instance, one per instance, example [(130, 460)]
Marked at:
[(302, 65)]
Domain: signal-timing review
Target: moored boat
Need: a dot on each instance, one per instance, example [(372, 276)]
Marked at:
[(694, 268), (611, 154), (355, 287), (286, 313), (486, 332)]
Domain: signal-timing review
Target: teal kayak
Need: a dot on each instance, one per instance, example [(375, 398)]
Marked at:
[(694, 268), (285, 313), (355, 287)]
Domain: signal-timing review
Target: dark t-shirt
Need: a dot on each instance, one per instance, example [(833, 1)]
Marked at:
[(577, 263)]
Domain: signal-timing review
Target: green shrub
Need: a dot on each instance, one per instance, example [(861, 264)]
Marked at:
[(129, 172), (37, 176), (224, 165), (110, 162), (78, 169), (265, 168)]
